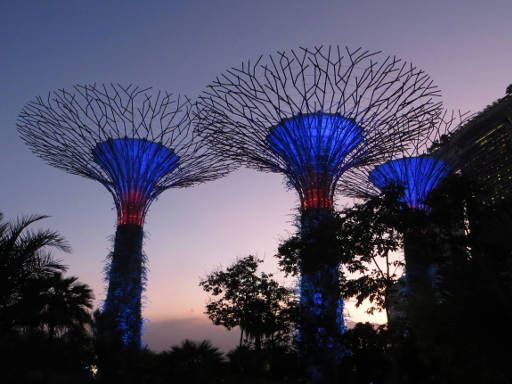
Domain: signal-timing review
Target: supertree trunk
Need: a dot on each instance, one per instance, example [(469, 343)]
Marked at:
[(126, 282), (421, 275), (418, 259), (321, 307)]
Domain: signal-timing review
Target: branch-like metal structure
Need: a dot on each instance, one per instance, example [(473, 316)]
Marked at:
[(312, 115), (417, 167), (419, 175), (127, 138), (135, 142)]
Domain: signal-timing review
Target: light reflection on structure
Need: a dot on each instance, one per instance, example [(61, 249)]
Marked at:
[(418, 176)]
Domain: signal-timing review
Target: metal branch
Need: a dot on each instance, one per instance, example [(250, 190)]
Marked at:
[(425, 142), (65, 129), (389, 99)]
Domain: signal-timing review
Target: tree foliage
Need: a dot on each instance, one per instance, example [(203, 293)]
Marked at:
[(255, 302), (43, 315), (365, 238), (25, 256), (193, 362), (375, 265)]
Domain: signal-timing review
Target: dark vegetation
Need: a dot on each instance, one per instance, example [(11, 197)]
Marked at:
[(458, 331), (263, 310)]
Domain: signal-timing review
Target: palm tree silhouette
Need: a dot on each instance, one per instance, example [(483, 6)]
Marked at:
[(25, 256), (194, 362), (66, 304)]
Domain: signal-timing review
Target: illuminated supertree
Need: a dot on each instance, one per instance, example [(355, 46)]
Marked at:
[(137, 144), (415, 172), (418, 175), (313, 114), (416, 167)]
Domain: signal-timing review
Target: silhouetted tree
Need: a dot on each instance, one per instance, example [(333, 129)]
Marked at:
[(365, 239), (256, 303), (44, 315), (375, 266), (25, 256), (66, 305), (194, 363), (368, 360)]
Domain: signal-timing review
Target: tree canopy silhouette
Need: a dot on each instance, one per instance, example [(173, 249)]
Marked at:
[(25, 256), (365, 239), (252, 301)]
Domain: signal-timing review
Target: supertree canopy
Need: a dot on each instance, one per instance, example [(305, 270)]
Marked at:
[(135, 166), (135, 142), (314, 146), (417, 175), (312, 115), (416, 168)]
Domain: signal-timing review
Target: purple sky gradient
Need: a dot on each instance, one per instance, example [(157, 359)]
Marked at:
[(180, 46)]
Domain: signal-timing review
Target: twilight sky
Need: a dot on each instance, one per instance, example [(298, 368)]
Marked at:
[(180, 46)]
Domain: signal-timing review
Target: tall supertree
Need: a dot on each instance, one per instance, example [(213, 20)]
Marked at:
[(135, 142), (311, 115), (416, 169), (415, 172)]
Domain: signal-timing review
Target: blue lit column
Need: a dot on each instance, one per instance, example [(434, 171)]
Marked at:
[(315, 148), (134, 166), (321, 305), (418, 176)]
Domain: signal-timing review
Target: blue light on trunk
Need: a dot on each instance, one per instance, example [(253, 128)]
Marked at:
[(417, 175)]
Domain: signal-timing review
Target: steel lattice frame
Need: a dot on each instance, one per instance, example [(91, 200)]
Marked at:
[(65, 127), (385, 96), (416, 167), (135, 142)]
